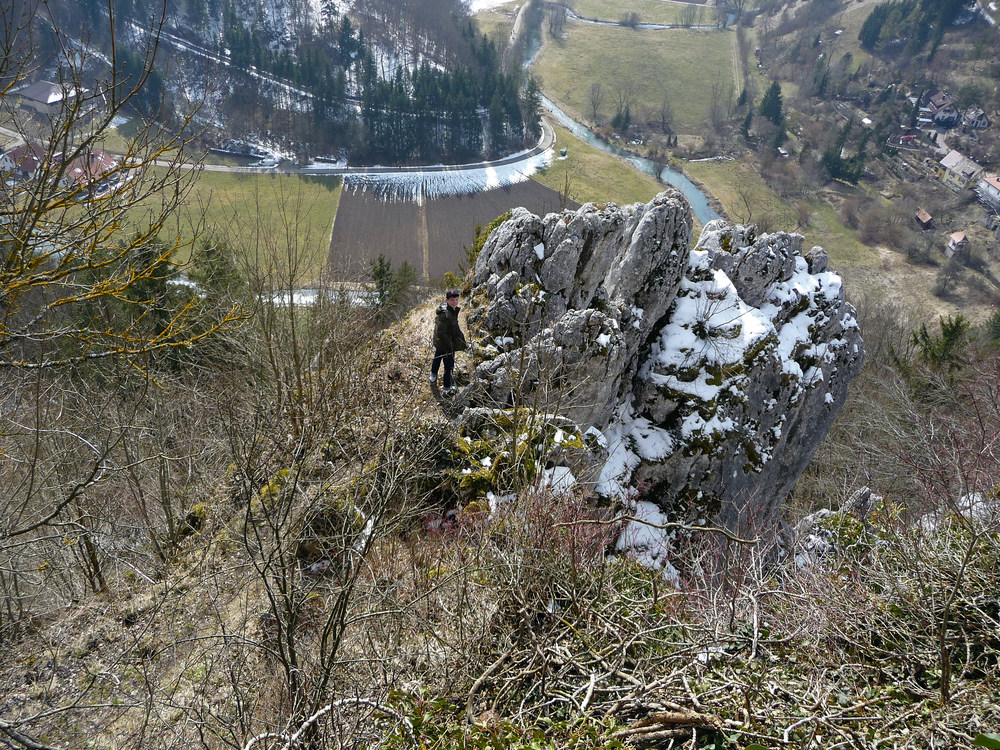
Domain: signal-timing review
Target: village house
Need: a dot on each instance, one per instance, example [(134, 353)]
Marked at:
[(924, 219), (988, 190), (26, 159), (958, 245), (957, 171), (44, 97), (975, 119), (88, 171), (937, 109), (6, 164)]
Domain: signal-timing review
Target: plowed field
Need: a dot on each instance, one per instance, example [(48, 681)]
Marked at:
[(431, 237)]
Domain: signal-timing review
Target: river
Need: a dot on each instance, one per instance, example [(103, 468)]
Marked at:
[(697, 199)]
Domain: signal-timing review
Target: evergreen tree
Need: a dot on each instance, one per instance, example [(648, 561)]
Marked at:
[(771, 105)]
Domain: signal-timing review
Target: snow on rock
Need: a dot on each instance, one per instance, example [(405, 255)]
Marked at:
[(645, 539), (712, 373)]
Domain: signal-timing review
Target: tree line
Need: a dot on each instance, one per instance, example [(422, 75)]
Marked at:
[(908, 25), (431, 113)]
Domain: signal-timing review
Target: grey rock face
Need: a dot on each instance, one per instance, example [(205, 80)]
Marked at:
[(713, 372)]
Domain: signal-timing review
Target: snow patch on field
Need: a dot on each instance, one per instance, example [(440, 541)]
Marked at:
[(418, 185), (475, 6)]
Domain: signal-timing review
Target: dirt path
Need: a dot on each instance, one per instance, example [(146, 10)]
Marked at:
[(415, 351), (737, 72), (425, 249)]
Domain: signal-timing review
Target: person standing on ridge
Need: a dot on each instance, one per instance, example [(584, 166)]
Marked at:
[(448, 339)]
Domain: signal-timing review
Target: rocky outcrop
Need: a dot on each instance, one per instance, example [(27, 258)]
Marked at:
[(815, 538), (713, 372)]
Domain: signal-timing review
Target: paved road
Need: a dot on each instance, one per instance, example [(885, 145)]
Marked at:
[(545, 142)]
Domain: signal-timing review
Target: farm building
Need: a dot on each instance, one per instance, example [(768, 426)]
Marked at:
[(44, 97)]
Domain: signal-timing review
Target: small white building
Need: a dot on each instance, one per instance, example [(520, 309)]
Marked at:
[(45, 97), (958, 245)]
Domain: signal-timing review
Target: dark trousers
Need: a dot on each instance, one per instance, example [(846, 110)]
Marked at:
[(449, 364)]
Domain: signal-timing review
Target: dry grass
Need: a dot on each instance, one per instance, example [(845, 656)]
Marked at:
[(679, 64), (251, 212), (742, 192), (650, 11), (498, 22), (595, 175)]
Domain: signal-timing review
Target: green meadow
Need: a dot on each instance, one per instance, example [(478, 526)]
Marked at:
[(677, 64), (595, 176), (650, 11), (275, 222)]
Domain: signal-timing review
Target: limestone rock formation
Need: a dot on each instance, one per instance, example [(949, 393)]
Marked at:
[(713, 372)]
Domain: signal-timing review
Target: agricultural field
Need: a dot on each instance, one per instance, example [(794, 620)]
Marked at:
[(366, 227), (594, 175), (257, 213), (650, 11), (430, 237), (498, 21), (687, 67)]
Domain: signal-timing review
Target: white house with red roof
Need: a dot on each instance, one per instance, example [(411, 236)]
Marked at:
[(958, 244), (88, 170), (26, 159)]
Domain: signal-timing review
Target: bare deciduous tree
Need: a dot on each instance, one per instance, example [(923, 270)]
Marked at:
[(666, 114), (596, 99)]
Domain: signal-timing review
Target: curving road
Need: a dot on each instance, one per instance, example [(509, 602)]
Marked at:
[(545, 142)]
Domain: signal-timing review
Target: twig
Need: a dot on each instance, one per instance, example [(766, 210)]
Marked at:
[(590, 693), (293, 739), (669, 525), (796, 724), (479, 682), (24, 739)]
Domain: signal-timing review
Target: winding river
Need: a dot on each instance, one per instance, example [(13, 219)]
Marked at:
[(697, 199)]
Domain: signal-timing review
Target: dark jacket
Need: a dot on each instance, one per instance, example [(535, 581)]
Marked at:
[(448, 336)]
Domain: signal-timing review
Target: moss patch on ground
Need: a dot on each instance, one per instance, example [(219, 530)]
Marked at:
[(680, 65)]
